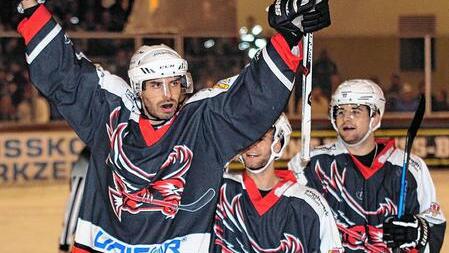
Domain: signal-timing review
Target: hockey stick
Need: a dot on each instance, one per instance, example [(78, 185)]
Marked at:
[(411, 133), (306, 112)]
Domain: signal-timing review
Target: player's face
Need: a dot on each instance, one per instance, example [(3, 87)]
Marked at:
[(352, 122), (258, 154), (161, 96)]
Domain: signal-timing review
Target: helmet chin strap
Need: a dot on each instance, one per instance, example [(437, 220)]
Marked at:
[(154, 120), (273, 156), (368, 133)]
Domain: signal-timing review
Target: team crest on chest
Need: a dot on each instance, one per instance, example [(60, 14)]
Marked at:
[(165, 187)]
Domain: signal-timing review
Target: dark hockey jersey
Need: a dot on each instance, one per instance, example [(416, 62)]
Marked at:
[(290, 218), (153, 190), (361, 197)]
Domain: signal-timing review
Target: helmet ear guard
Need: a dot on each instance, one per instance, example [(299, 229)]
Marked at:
[(282, 133)]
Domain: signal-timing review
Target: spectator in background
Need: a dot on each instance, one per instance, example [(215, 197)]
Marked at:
[(323, 69), (320, 103), (439, 101), (120, 11), (335, 81), (33, 108), (395, 84), (89, 24), (7, 109), (407, 101), (14, 92), (393, 91), (121, 60)]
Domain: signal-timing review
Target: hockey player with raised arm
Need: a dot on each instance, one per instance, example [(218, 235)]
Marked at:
[(263, 209), (157, 162), (359, 176)]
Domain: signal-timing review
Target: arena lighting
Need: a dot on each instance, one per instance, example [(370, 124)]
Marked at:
[(251, 40), (209, 43), (74, 20)]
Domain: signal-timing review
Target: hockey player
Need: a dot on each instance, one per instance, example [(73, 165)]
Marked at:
[(360, 178), (77, 179), (156, 166), (265, 210)]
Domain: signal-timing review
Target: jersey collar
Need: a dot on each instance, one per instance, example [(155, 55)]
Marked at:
[(263, 204), (379, 160)]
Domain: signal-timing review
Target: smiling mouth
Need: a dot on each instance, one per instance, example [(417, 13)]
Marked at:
[(252, 155)]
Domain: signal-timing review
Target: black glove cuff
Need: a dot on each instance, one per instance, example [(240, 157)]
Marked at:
[(29, 12), (424, 237), (26, 13), (292, 39)]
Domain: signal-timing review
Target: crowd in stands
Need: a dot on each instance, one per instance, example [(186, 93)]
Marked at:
[(20, 102), (76, 15), (210, 59)]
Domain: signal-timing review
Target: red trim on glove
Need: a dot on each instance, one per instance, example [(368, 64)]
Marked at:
[(29, 27), (283, 49)]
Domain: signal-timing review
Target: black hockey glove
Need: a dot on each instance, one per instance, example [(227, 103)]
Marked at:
[(28, 12), (318, 18), (409, 232), (281, 15)]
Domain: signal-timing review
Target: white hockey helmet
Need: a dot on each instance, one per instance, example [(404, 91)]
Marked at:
[(282, 132), (158, 61), (359, 92)]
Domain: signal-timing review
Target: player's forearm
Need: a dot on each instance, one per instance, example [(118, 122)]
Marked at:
[(28, 4)]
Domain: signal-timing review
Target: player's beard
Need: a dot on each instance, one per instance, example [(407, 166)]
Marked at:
[(257, 164), (155, 111)]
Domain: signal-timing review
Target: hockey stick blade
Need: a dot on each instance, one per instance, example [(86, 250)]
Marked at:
[(411, 134), (416, 123), (200, 203)]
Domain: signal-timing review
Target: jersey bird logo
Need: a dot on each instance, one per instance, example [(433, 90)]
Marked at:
[(165, 188), (230, 215), (356, 237)]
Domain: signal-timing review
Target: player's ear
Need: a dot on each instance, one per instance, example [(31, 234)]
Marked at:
[(376, 119), (277, 146)]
